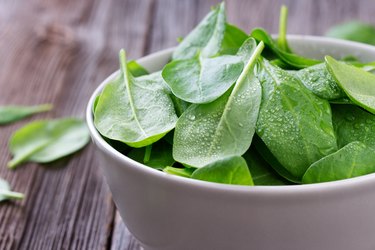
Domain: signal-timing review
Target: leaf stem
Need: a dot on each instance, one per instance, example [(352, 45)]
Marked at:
[(281, 40), (12, 195)]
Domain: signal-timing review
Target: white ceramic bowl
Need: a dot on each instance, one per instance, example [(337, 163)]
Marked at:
[(174, 213)]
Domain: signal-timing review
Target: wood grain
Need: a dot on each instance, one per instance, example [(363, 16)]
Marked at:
[(57, 52)]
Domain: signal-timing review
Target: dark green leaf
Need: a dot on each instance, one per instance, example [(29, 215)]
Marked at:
[(136, 69), (136, 111), (294, 124), (234, 37), (262, 173), (10, 114), (45, 141), (294, 60), (160, 155), (231, 170), (353, 124), (354, 159), (358, 84)]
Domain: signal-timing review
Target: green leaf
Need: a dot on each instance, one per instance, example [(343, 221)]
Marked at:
[(261, 172), (354, 159), (45, 141), (206, 38), (10, 114), (289, 58), (136, 69), (354, 31), (231, 170), (358, 84), (183, 172), (209, 132), (319, 81), (234, 37), (136, 111), (160, 155), (282, 42), (294, 124), (202, 80), (353, 124), (7, 194)]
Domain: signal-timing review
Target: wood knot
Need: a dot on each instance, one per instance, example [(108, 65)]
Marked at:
[(56, 33)]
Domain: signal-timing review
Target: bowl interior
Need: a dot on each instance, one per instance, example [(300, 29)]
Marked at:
[(309, 46)]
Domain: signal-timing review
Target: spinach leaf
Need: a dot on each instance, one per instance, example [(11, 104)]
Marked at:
[(282, 42), (206, 38), (136, 69), (234, 37), (261, 172), (294, 124), (354, 159), (45, 141), (136, 111), (289, 58), (319, 81), (231, 170), (6, 193), (354, 31), (183, 172), (10, 114), (209, 132), (358, 84), (353, 124), (159, 157), (202, 80)]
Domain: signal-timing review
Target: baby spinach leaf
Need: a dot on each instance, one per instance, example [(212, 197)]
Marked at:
[(358, 84), (318, 80), (202, 80), (234, 37), (294, 60), (206, 38), (6, 193), (354, 31), (159, 157), (136, 111), (208, 132), (261, 172), (231, 170), (10, 114), (354, 159), (282, 42), (353, 124), (183, 172), (294, 124), (136, 69), (45, 141)]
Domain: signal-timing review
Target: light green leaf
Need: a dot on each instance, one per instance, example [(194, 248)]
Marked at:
[(354, 159), (183, 172), (231, 170), (45, 141), (136, 111), (234, 37), (354, 31), (358, 84), (202, 80), (209, 132), (206, 38), (7, 194), (10, 114), (319, 81)]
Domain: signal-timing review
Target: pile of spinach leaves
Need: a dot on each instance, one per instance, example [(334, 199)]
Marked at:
[(243, 109)]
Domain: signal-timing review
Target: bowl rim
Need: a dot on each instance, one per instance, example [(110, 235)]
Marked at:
[(193, 183)]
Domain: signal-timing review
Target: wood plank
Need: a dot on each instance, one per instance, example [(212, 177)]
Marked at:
[(59, 52)]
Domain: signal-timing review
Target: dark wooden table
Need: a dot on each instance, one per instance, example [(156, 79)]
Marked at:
[(54, 51)]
